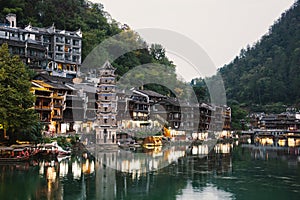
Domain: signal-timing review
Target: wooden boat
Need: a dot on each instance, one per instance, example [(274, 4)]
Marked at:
[(128, 144), (152, 141), (10, 154), (52, 149)]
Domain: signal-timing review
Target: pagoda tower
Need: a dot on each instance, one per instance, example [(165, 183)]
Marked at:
[(107, 106)]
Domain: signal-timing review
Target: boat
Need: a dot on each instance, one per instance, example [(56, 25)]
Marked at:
[(52, 149), (128, 145), (152, 141), (10, 154)]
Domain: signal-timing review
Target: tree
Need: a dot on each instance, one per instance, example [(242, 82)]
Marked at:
[(17, 114), (238, 117)]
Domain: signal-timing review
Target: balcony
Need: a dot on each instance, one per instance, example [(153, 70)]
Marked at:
[(57, 118), (107, 89), (107, 122), (105, 110), (107, 81), (57, 105), (39, 107), (106, 98), (60, 40), (140, 118), (76, 42)]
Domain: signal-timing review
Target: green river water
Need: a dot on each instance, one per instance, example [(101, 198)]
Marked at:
[(228, 171)]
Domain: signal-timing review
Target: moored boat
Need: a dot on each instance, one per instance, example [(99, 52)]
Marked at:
[(152, 141), (15, 154), (52, 149)]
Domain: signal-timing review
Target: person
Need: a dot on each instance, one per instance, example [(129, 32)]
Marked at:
[(26, 153)]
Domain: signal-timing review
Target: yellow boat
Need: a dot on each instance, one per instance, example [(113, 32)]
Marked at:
[(152, 141)]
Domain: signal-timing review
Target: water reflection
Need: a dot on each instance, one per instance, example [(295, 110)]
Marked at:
[(227, 171), (223, 148), (143, 161), (186, 178), (53, 172), (283, 140), (210, 191)]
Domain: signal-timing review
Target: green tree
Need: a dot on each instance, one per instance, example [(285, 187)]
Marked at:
[(238, 117), (17, 115)]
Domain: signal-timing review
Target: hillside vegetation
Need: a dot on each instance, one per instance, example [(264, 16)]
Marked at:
[(266, 76)]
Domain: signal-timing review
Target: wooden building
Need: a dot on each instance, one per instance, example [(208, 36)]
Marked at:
[(50, 104)]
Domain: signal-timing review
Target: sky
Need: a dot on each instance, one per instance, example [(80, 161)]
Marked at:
[(221, 28)]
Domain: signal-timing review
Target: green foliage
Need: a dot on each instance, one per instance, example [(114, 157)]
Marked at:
[(238, 116), (16, 102), (200, 89), (158, 53), (63, 142), (268, 73)]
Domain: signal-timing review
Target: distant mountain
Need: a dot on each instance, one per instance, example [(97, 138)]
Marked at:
[(268, 73)]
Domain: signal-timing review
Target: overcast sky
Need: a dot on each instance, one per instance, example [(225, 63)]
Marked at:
[(221, 27)]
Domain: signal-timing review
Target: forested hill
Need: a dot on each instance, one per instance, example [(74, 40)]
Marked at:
[(268, 73)]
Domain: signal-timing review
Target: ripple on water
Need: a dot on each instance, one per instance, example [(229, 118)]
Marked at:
[(210, 192), (226, 177)]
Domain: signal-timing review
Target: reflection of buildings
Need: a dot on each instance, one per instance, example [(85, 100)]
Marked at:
[(276, 138), (136, 165), (139, 163), (217, 159), (105, 177), (115, 174), (189, 168), (54, 172), (259, 152)]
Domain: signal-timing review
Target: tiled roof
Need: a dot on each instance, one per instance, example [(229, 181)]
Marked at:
[(86, 87), (151, 93), (49, 78)]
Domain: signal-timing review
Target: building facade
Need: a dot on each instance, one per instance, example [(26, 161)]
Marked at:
[(44, 49), (51, 97)]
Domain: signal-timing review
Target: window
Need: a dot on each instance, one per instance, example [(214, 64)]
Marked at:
[(76, 42)]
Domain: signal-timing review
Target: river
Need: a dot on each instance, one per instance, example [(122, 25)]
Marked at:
[(228, 171)]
